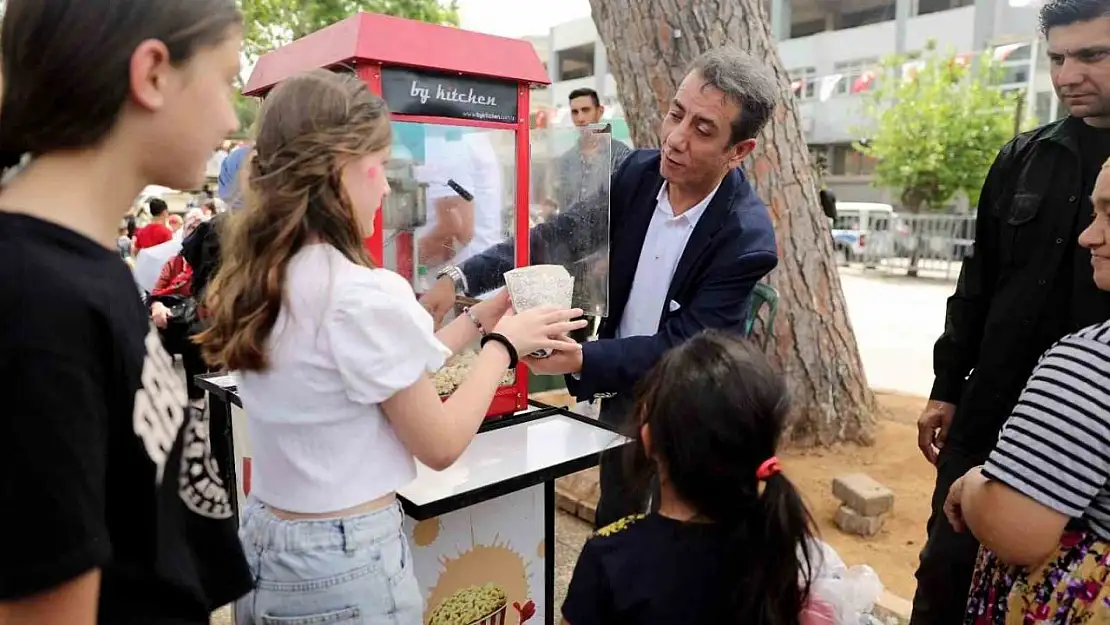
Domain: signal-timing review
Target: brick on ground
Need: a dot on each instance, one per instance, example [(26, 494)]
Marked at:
[(863, 494), (852, 522)]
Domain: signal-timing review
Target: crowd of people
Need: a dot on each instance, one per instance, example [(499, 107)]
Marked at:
[(123, 517)]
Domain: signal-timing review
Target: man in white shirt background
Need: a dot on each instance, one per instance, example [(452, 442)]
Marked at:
[(458, 163)]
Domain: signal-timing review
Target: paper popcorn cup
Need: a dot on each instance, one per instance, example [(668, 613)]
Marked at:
[(540, 285)]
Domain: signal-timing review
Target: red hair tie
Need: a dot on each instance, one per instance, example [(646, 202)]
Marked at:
[(769, 467)]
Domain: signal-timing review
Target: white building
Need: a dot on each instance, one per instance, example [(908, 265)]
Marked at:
[(822, 39)]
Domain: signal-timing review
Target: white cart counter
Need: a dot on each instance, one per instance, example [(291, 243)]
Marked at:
[(489, 518)]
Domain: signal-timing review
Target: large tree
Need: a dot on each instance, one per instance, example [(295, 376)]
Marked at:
[(272, 23), (650, 44)]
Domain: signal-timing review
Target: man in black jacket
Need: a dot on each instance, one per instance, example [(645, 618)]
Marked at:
[(1027, 284)]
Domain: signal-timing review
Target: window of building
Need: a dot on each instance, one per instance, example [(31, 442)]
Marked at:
[(933, 6), (851, 72), (1016, 67), (845, 160), (805, 29), (576, 62), (808, 76), (819, 158), (863, 17), (1043, 106)]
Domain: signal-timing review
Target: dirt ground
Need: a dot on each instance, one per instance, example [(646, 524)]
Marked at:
[(894, 461)]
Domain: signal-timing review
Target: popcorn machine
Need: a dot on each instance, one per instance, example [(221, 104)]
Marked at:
[(460, 167)]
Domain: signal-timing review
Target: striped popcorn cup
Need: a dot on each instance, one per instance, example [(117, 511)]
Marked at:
[(499, 617)]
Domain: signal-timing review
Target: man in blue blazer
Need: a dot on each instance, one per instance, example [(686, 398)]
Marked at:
[(688, 240)]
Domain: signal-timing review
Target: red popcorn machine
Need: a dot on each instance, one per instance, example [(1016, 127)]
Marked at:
[(459, 104)]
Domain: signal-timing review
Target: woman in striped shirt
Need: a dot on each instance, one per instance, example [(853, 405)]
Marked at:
[(1040, 506)]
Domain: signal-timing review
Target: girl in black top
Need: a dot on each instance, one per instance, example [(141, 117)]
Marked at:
[(730, 541), (114, 511)]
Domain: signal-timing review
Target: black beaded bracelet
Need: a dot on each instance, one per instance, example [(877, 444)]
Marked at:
[(500, 338)]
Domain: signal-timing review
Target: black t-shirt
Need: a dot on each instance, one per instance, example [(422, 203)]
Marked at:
[(648, 570), (105, 465), (1088, 303)]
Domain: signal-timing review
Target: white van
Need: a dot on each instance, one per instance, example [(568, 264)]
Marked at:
[(854, 228)]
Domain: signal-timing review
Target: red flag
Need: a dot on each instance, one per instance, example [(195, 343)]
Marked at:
[(863, 83)]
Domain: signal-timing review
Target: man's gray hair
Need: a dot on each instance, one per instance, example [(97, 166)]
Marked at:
[(736, 74)]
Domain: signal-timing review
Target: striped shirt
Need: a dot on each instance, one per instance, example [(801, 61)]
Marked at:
[(1055, 447)]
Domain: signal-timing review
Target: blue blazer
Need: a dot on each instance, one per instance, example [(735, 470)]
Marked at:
[(730, 250)]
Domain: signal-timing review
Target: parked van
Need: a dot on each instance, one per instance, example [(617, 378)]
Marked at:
[(855, 227)]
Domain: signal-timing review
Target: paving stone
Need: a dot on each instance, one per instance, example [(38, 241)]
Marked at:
[(852, 522), (565, 502), (587, 511), (862, 493)]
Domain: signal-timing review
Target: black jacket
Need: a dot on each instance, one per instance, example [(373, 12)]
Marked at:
[(1006, 310)]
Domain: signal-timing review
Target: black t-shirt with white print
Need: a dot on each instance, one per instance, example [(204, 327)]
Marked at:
[(104, 464)]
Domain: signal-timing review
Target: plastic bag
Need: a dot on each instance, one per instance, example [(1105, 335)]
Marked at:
[(840, 595)]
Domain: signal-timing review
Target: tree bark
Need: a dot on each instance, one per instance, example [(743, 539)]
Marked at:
[(651, 43)]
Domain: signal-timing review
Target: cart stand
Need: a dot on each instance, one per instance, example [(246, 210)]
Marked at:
[(490, 517)]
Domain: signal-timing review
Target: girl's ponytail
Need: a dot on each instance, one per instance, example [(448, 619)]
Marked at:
[(770, 557)]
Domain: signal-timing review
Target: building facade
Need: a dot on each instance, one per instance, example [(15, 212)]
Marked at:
[(835, 44)]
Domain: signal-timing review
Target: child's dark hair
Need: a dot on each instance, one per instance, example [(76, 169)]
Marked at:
[(66, 64), (157, 207), (715, 411)]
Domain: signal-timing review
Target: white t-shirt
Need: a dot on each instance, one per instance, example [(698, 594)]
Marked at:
[(348, 337), (471, 161)]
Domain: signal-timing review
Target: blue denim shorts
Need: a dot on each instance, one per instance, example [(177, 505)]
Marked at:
[(347, 571)]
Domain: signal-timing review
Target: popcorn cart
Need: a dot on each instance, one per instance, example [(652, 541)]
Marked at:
[(460, 112), (482, 531)]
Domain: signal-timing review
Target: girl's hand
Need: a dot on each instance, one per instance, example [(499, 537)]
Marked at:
[(540, 328), (490, 311), (952, 506), (160, 315)]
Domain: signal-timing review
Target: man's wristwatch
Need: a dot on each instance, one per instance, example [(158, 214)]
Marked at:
[(457, 277)]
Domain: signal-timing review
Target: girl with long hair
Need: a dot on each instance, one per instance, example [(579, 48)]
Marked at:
[(333, 356), (114, 513), (730, 542)]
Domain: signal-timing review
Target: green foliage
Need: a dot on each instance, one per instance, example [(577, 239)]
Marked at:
[(272, 23), (246, 110), (936, 136)]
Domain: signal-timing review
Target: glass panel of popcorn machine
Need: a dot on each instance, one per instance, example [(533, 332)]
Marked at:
[(452, 196), (571, 172), (452, 192)]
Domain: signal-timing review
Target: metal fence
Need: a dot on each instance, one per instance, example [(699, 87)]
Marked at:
[(933, 245)]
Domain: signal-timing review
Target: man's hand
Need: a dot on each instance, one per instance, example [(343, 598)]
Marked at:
[(440, 299), (932, 428), (560, 362)]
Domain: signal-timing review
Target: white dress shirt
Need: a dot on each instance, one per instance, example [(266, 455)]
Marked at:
[(664, 243)]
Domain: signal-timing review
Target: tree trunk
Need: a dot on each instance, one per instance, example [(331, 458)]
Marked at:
[(650, 44), (912, 201)]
